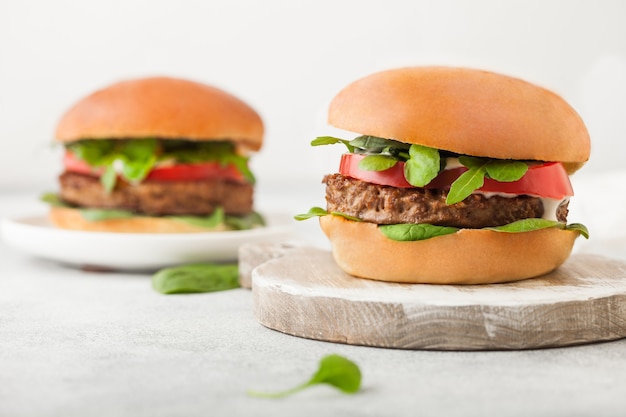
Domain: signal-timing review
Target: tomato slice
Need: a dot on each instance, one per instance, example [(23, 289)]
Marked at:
[(174, 172), (194, 172), (545, 180), (394, 176)]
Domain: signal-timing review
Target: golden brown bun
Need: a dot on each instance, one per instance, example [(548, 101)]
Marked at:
[(67, 218), (162, 107), (469, 256), (465, 111)]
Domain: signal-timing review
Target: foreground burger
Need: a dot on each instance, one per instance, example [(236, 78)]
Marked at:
[(157, 155), (459, 176)]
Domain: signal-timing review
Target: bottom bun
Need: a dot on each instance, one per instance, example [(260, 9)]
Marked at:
[(469, 256), (68, 218)]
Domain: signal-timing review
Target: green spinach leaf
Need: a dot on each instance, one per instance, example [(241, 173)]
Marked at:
[(196, 278), (94, 214), (478, 168), (313, 212), (527, 225), (138, 158), (462, 187), (329, 140), (53, 199), (505, 170), (374, 144), (319, 212), (414, 232), (210, 222), (246, 222), (334, 370), (422, 166), (377, 162)]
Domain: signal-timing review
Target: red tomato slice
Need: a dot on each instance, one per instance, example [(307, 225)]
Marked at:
[(545, 180), (193, 172), (175, 172)]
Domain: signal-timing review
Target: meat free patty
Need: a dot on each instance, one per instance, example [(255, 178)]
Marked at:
[(383, 204), (159, 197)]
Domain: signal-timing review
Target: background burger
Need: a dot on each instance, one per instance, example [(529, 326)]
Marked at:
[(458, 176), (158, 155)]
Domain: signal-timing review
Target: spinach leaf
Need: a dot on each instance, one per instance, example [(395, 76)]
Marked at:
[(319, 212), (313, 212), (210, 222), (374, 144), (478, 168), (377, 162), (414, 232), (422, 166), (246, 222), (505, 170), (195, 278), (345, 216), (527, 225), (94, 152), (219, 218), (367, 144), (334, 370), (580, 228), (329, 140), (241, 163), (138, 158), (94, 214), (462, 187), (53, 199)]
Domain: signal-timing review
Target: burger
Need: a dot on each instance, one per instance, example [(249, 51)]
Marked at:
[(455, 176), (157, 155)]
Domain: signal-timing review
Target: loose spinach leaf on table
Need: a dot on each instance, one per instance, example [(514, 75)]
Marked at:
[(334, 370), (196, 278)]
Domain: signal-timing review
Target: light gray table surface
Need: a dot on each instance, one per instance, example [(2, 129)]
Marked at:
[(79, 343)]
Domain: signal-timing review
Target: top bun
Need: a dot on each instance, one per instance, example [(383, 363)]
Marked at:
[(465, 111), (162, 107)]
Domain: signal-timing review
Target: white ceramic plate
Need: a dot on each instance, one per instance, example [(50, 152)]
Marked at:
[(126, 251)]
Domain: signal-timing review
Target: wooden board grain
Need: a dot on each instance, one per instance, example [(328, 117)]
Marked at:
[(303, 293)]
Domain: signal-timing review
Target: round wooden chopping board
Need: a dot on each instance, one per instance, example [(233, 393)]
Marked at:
[(304, 293)]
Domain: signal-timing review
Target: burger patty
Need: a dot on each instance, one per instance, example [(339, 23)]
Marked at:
[(158, 197), (383, 204)]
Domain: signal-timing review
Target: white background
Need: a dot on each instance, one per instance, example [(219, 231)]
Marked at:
[(288, 58)]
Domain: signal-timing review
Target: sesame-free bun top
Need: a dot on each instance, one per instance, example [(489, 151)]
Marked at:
[(165, 108), (465, 111)]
